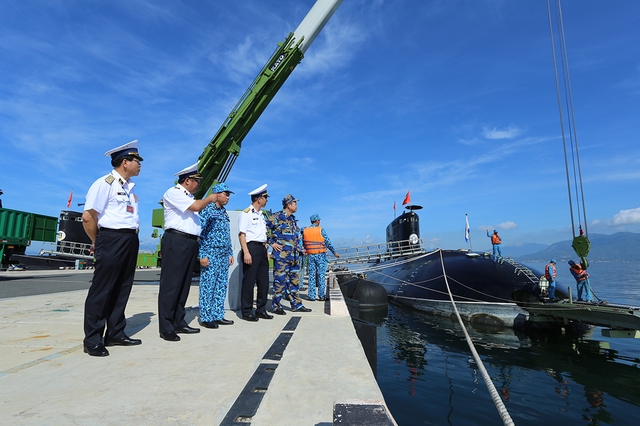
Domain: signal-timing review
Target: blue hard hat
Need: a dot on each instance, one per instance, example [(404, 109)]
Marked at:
[(221, 187), (314, 217), (553, 261)]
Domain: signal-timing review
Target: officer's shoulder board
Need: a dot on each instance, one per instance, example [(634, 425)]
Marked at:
[(247, 210), (109, 179)]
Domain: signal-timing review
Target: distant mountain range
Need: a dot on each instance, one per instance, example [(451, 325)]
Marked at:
[(621, 246)]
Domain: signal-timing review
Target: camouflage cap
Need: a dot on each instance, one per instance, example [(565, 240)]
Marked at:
[(221, 187), (288, 199)]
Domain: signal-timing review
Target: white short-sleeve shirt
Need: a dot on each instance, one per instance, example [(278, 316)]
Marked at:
[(252, 224), (114, 199), (177, 215)]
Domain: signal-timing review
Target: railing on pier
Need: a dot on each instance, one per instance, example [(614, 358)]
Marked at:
[(68, 249), (378, 252)]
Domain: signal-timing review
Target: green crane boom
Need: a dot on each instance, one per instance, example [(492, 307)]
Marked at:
[(218, 157), (216, 161)]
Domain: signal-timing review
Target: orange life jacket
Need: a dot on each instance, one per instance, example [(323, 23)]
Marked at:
[(546, 271), (495, 239), (582, 273), (313, 240)]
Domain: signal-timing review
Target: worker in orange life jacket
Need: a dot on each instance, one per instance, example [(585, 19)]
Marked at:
[(495, 241), (316, 243), (550, 275), (582, 280)]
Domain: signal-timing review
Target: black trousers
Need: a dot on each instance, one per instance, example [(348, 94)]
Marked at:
[(256, 273), (116, 255), (178, 256)]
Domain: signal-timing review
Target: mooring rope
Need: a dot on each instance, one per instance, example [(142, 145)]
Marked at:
[(502, 410)]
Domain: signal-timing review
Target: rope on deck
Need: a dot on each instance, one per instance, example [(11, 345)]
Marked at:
[(502, 410)]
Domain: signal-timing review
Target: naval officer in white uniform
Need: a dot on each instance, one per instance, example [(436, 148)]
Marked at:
[(179, 252), (252, 233), (110, 219)]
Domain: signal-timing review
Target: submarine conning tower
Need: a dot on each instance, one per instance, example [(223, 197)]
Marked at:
[(405, 226)]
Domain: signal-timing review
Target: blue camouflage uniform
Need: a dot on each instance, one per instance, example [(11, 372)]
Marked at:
[(215, 245), (283, 229), (317, 264)]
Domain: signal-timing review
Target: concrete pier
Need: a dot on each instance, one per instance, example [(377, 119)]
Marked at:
[(312, 360)]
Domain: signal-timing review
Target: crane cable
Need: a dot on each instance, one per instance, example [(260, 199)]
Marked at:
[(581, 243)]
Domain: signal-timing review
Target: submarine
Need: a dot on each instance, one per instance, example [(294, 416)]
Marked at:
[(485, 292)]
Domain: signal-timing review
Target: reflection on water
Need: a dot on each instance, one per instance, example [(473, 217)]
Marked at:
[(428, 375)]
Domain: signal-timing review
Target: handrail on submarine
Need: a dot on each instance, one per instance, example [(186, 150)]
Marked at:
[(372, 253)]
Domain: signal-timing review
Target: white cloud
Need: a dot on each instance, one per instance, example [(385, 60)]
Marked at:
[(434, 243), (495, 133), (507, 225), (627, 217)]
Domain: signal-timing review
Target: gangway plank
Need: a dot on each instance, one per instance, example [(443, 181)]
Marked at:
[(622, 321)]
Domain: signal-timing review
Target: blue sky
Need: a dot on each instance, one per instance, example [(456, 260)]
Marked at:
[(452, 100)]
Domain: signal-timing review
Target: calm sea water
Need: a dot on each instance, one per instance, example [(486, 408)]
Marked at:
[(429, 377)]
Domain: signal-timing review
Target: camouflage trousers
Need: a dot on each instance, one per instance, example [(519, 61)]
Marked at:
[(213, 286), (286, 279), (317, 270)]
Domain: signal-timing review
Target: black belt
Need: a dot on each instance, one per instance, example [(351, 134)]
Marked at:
[(256, 242), (121, 230), (184, 234)]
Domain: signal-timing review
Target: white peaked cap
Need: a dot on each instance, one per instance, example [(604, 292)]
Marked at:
[(189, 171), (260, 190)]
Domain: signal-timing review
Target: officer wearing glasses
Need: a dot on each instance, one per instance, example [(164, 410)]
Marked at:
[(179, 252), (111, 221)]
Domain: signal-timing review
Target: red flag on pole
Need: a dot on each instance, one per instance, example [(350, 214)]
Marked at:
[(70, 198), (394, 206), (407, 198)]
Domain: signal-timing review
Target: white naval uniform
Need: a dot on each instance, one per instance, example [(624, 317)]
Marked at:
[(116, 252), (177, 215), (252, 224), (179, 254), (115, 202)]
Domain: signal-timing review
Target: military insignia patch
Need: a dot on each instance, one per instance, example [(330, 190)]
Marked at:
[(109, 179)]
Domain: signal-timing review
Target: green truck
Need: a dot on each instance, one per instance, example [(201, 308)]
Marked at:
[(18, 229)]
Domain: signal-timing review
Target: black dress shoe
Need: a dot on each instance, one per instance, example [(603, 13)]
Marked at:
[(170, 336), (122, 341), (224, 321), (279, 311), (264, 315), (250, 318), (303, 309), (187, 330), (96, 350), (209, 324)]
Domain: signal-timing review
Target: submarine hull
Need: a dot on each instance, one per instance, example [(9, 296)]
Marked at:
[(484, 291)]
